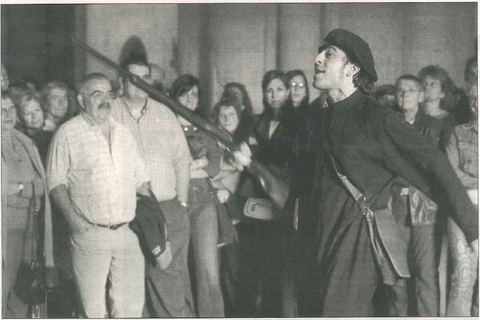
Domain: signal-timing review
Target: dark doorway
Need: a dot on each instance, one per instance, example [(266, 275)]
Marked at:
[(36, 41)]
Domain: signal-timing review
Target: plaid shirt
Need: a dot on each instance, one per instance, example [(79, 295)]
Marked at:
[(462, 151), (161, 142), (101, 179)]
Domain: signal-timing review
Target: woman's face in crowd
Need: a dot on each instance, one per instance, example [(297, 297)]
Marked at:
[(387, 101), (233, 91), (32, 115), (432, 89), (228, 118), (298, 90), (9, 114), (189, 99), (276, 94), (58, 103)]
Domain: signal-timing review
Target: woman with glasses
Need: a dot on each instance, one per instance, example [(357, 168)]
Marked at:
[(299, 92), (23, 191)]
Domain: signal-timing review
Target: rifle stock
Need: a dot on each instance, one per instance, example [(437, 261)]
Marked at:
[(275, 187)]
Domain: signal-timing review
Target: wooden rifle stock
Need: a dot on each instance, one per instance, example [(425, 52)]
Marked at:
[(275, 187)]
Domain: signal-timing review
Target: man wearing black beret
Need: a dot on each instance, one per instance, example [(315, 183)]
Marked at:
[(364, 150)]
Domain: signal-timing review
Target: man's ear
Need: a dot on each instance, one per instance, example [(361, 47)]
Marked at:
[(353, 69), (80, 100)]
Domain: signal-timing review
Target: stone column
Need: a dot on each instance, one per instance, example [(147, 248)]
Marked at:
[(440, 33), (299, 38), (242, 47)]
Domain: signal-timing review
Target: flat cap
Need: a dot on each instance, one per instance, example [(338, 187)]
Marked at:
[(355, 48)]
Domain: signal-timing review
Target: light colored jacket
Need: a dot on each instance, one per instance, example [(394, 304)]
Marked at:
[(37, 164)]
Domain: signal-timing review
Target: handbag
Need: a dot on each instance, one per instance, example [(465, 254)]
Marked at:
[(389, 250), (31, 283), (260, 209)]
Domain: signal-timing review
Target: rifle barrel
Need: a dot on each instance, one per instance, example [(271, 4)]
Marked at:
[(275, 186), (212, 129)]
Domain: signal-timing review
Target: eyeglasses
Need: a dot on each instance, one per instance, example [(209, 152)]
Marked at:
[(434, 85), (98, 95), (10, 110), (297, 84), (408, 91)]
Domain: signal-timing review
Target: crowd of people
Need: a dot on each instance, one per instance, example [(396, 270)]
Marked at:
[(381, 218)]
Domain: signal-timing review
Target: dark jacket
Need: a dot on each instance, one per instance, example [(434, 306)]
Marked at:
[(149, 225), (373, 146), (307, 147), (428, 126), (42, 141), (275, 151), (448, 124), (431, 129)]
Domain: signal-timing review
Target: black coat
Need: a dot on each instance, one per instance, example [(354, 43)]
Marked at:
[(428, 126), (372, 146)]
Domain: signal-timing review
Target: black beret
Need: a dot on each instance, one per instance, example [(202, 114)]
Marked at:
[(354, 47)]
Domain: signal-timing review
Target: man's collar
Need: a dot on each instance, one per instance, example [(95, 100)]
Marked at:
[(347, 103), (89, 120), (128, 104)]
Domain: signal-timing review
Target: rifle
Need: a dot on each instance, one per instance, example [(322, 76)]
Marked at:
[(274, 186)]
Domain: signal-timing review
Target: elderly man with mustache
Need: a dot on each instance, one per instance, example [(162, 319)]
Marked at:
[(94, 171)]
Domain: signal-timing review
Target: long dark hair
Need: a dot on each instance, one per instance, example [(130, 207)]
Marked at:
[(183, 84), (246, 98), (267, 78)]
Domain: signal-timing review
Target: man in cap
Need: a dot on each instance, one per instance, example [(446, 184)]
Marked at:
[(372, 147)]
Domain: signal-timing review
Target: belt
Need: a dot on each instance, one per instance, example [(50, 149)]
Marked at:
[(111, 227)]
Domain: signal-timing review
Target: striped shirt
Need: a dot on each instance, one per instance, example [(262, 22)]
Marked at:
[(161, 143), (101, 179)]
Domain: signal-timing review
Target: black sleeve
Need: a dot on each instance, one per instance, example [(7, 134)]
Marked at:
[(418, 150)]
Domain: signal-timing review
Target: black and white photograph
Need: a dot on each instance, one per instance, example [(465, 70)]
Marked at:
[(239, 160)]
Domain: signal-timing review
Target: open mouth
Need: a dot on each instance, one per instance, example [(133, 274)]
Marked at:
[(317, 70)]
